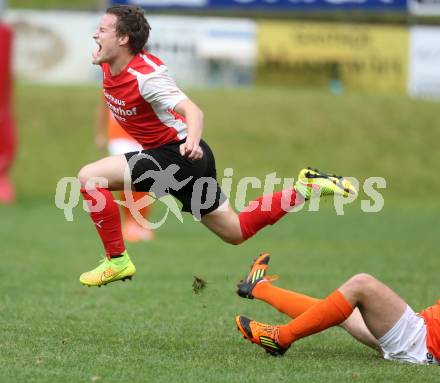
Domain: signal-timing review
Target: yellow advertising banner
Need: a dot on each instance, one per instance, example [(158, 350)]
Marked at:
[(360, 56)]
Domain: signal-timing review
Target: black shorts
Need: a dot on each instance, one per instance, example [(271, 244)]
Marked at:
[(164, 170)]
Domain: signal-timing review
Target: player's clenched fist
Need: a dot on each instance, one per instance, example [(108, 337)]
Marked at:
[(191, 150)]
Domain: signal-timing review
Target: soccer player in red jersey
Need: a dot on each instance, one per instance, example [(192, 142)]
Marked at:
[(147, 103), (368, 309)]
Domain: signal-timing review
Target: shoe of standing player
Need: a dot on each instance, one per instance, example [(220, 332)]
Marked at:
[(312, 181), (110, 270), (257, 274), (264, 335)]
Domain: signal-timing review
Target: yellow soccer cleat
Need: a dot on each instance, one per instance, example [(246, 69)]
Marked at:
[(313, 182), (110, 270)]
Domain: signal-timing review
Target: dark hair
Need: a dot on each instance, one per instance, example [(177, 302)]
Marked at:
[(131, 22)]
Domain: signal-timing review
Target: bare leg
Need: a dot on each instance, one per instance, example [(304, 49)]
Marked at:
[(111, 168), (357, 328), (266, 210), (379, 306), (225, 223)]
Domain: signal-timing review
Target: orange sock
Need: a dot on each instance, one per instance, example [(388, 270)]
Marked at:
[(331, 311), (145, 211), (288, 302)]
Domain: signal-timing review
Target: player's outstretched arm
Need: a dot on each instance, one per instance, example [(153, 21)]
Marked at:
[(194, 121)]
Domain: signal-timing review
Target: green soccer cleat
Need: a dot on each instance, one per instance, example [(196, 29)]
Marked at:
[(110, 270), (312, 182)]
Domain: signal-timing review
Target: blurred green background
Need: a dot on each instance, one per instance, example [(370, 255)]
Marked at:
[(254, 130)]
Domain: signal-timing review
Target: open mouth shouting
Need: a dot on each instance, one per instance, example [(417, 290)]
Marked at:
[(97, 53)]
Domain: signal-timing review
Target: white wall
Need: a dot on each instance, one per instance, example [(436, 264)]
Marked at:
[(2, 7), (56, 47), (53, 46), (424, 62)]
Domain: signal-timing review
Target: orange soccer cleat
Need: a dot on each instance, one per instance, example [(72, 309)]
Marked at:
[(257, 274), (264, 335)]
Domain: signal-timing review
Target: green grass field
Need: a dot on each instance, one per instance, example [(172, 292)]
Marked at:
[(155, 328)]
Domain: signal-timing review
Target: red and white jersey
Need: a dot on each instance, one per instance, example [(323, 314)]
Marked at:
[(142, 98)]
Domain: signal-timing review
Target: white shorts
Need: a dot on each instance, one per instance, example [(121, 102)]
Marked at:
[(406, 341), (123, 145)]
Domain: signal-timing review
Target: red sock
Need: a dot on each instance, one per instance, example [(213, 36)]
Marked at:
[(331, 311), (107, 221), (288, 302), (267, 210)]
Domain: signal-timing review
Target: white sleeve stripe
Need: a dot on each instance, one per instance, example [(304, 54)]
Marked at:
[(133, 72), (142, 75), (151, 63)]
